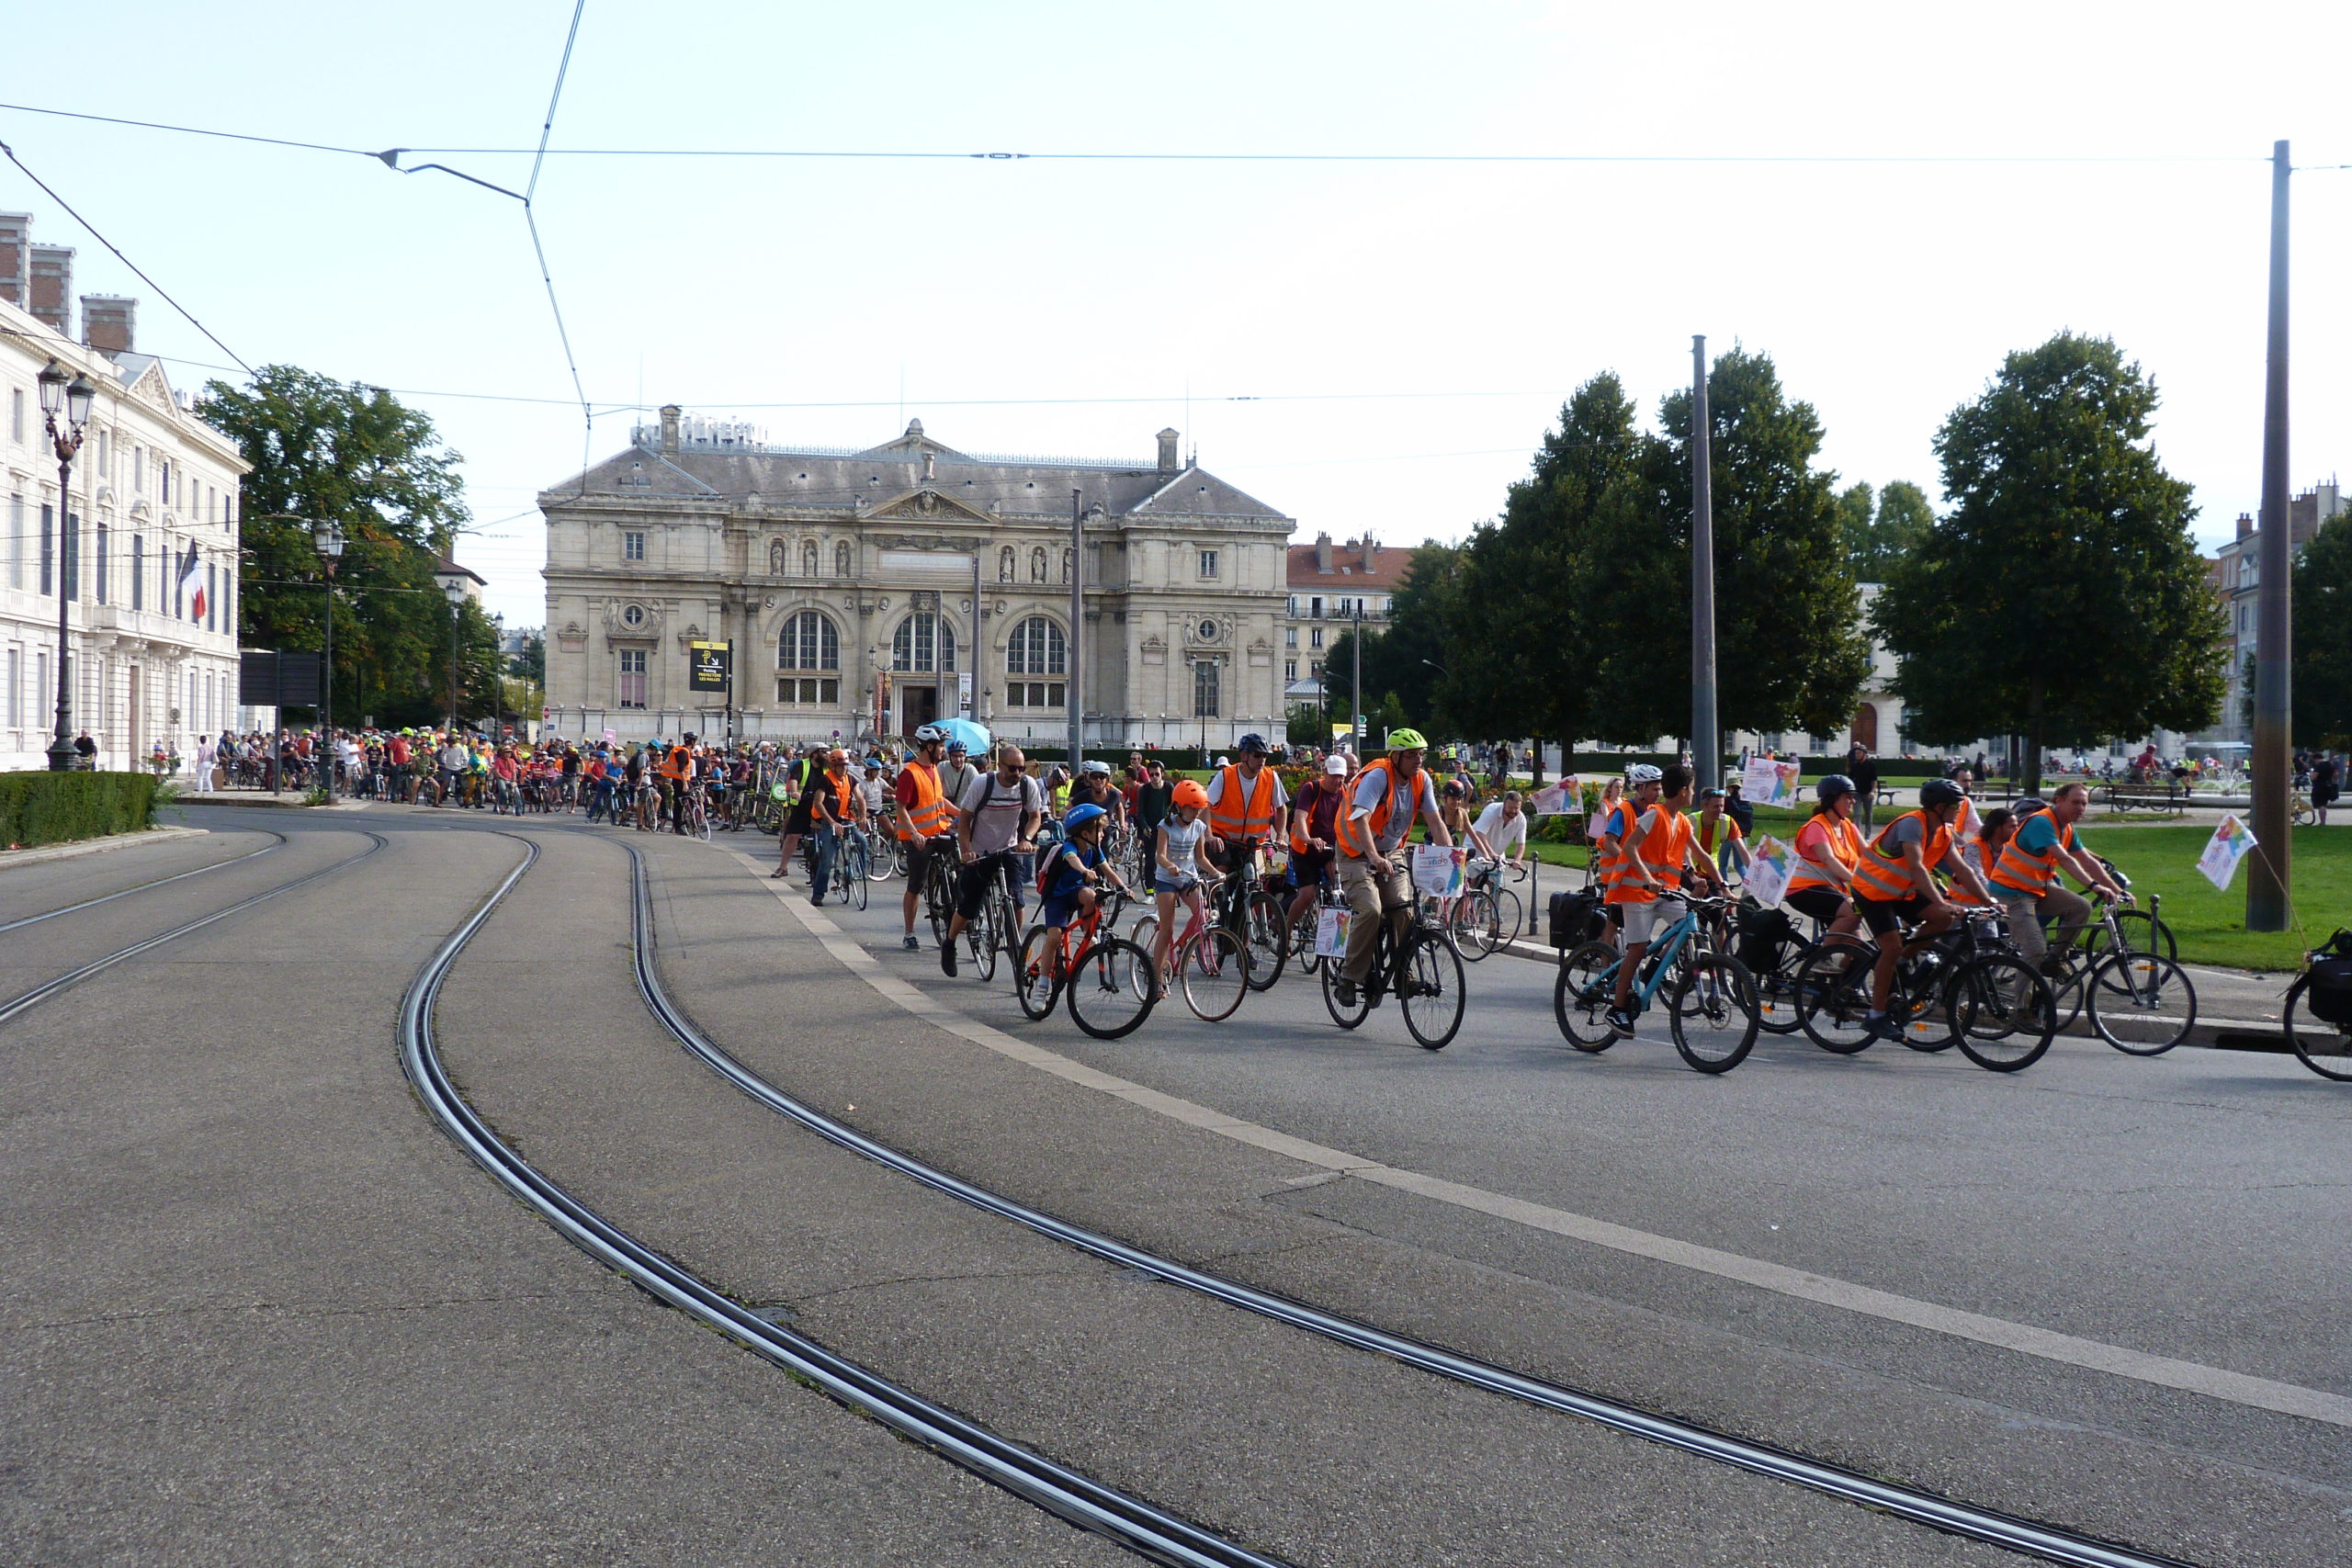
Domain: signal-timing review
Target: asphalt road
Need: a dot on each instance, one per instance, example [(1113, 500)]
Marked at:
[(259, 1309)]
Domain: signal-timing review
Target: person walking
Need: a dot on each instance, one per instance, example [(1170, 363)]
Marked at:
[(1863, 768), (205, 754), (2327, 775)]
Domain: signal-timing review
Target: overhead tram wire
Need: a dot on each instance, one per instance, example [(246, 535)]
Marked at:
[(125, 260)]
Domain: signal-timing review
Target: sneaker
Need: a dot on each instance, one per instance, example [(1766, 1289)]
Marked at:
[(1344, 993), (1041, 990), (911, 944), (1622, 1021), (948, 959)]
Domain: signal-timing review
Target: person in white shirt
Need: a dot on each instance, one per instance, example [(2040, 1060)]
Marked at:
[(205, 755), (1502, 829)]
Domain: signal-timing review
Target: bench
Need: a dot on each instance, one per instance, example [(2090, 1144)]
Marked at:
[(2168, 799)]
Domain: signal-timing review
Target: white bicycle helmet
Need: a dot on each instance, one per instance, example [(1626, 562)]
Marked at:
[(1642, 774), (928, 733)]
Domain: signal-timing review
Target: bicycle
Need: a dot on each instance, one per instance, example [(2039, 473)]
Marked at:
[(2139, 1001), (1257, 918), (1097, 980), (1309, 921), (848, 876), (1485, 918), (1710, 996), (997, 925), (1210, 963), (1422, 969), (1967, 988), (939, 885), (2317, 1013)]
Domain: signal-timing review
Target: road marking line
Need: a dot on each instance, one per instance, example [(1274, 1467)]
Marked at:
[(2164, 1372)]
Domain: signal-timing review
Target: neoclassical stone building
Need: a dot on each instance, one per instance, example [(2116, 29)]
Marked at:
[(856, 584)]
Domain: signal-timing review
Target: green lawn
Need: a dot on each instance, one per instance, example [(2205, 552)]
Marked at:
[(2161, 859)]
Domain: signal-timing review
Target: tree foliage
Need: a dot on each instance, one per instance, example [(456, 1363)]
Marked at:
[(2323, 641), (353, 454), (2062, 597), (1880, 528)]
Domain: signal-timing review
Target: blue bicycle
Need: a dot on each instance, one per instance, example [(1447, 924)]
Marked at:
[(1710, 996)]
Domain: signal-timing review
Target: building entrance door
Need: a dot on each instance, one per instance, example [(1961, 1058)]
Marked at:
[(917, 706), (1866, 724)]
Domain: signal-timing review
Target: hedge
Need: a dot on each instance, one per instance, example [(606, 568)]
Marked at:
[(54, 808)]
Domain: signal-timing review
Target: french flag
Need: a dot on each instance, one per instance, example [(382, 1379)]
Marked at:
[(188, 572)]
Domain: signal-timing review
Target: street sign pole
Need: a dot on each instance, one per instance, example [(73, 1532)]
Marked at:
[(2267, 898)]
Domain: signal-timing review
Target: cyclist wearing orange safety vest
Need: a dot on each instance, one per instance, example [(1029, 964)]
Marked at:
[(2025, 876), (1388, 796), (924, 816), (1828, 845), (677, 765), (1315, 831), (1895, 881), (1616, 823), (1651, 856), (1246, 801)]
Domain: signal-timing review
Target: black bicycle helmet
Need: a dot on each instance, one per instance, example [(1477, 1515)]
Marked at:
[(1833, 786), (1941, 792)]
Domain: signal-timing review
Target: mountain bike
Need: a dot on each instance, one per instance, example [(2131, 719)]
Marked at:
[(1422, 969), (2140, 1001), (1206, 960), (1966, 987), (1098, 976), (1486, 916), (1710, 996)]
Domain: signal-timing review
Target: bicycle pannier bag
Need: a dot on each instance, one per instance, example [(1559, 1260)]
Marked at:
[(1575, 917), (2330, 994), (1763, 936)]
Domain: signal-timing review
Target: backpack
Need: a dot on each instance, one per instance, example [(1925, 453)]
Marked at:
[(1741, 812), (2329, 993)]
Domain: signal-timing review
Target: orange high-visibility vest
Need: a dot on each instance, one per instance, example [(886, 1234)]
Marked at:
[(673, 763), (1664, 843), (927, 819), (1231, 817), (1377, 823), (1611, 863), (1883, 879), (2027, 875), (1845, 848)]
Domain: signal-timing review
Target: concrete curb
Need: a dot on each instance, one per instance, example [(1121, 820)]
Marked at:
[(96, 846), (263, 802)]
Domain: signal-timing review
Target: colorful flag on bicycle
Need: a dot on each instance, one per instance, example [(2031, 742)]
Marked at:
[(1770, 866), (1437, 871), (1332, 932), (2228, 846), (1768, 782), (1563, 799)]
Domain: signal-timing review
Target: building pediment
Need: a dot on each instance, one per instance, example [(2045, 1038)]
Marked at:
[(926, 505)]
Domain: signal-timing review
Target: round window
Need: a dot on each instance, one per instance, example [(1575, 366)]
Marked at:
[(633, 616), (1208, 631)]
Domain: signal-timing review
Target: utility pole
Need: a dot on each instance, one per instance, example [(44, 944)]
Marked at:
[(1706, 736), (2267, 879), (1355, 702), (1076, 621)]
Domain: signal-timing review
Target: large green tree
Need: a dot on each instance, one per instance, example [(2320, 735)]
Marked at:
[(2322, 651), (2061, 598), (354, 455), (1879, 528)]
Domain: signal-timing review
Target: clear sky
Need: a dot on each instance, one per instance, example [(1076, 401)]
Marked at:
[(1405, 329)]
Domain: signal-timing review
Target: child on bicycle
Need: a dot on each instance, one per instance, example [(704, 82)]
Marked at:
[(1178, 861), (1069, 881)]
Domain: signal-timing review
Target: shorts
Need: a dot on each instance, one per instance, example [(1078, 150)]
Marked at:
[(1642, 919), (1059, 912), (798, 822), (1159, 884), (1882, 916), (1306, 870), (1821, 903), (918, 854)]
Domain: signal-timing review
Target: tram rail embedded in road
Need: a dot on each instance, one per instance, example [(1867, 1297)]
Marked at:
[(175, 876), (2009, 1531), (1138, 1526)]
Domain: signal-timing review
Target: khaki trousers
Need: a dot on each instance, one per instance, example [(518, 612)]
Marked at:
[(1367, 895)]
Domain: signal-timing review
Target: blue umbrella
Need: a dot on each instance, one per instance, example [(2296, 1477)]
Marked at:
[(975, 737)]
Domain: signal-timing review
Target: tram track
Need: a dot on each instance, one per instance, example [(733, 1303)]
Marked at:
[(177, 877), (1140, 1527), (41, 993), (1993, 1527)]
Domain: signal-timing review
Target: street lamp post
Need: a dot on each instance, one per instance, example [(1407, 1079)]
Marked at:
[(70, 397), (453, 584), (327, 536)]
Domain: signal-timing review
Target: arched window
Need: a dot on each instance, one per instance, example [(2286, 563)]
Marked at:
[(924, 643), (1037, 649), (1070, 563), (1037, 565), (841, 560), (808, 655), (775, 559), (808, 557), (1004, 564)]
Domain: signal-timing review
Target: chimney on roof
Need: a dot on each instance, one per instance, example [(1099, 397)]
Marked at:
[(52, 287), (1371, 554), (1168, 439), (15, 257), (670, 412), (2245, 524), (1323, 553), (108, 320)]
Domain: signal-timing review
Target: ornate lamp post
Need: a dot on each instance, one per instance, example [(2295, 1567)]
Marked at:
[(453, 584), (69, 397), (327, 536)]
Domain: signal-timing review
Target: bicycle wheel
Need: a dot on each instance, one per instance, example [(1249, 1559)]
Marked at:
[(1269, 939), (1349, 1017), (1776, 991), (1581, 993), (1105, 999), (2142, 1003), (1032, 984), (1432, 994), (1470, 925), (859, 869), (1834, 998), (2142, 933), (2004, 1014), (939, 899), (886, 861), (980, 940), (1302, 943), (1712, 1011), (2326, 1048), (1212, 968)]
